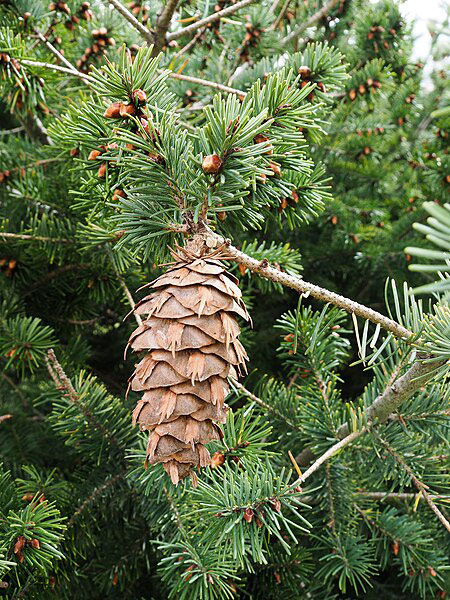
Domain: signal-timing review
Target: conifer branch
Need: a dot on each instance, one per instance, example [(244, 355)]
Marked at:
[(281, 15), (211, 19), (162, 26), (205, 82), (72, 71), (309, 22), (54, 50), (90, 499), (33, 238), (146, 33), (304, 287), (418, 484), (61, 381), (388, 401)]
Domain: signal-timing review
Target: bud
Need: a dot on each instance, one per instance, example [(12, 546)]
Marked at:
[(74, 152), (304, 72), (140, 97), (260, 138), (102, 170), (20, 544), (248, 515), (115, 579), (275, 168), (28, 497), (34, 543), (118, 194), (242, 270), (127, 110), (295, 196), (217, 460), (222, 215), (113, 110), (362, 89), (211, 164), (352, 94), (276, 505), (94, 154)]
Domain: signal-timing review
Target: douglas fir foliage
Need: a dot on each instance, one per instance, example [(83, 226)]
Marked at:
[(248, 142)]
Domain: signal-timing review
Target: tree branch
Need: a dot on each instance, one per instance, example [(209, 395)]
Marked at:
[(146, 33), (388, 401), (162, 25), (34, 238), (300, 285), (207, 20), (61, 380), (309, 22), (419, 485), (205, 82), (72, 71)]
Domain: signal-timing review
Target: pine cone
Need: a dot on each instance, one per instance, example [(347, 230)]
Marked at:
[(190, 344)]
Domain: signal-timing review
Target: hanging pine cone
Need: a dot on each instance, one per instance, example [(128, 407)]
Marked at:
[(189, 340)]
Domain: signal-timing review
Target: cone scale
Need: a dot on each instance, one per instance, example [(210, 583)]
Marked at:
[(188, 344)]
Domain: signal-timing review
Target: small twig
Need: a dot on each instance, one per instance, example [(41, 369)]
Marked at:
[(146, 33), (387, 496), (129, 298), (419, 485), (61, 380), (162, 26), (97, 491), (72, 71), (309, 22), (54, 51), (207, 20), (33, 238), (281, 15), (330, 453), (263, 404), (13, 130), (205, 82), (5, 418), (190, 44)]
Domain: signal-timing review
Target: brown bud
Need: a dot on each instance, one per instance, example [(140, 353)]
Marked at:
[(34, 543), (94, 154), (275, 168), (217, 460), (118, 194), (242, 270), (212, 163), (367, 150), (127, 110), (362, 89), (129, 147), (140, 97), (28, 497), (115, 579), (102, 170), (113, 110), (112, 146), (248, 515), (334, 219), (26, 15), (304, 72), (352, 94), (222, 216), (277, 577), (276, 505), (74, 152), (20, 544)]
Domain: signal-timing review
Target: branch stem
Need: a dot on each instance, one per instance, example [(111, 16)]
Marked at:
[(210, 19), (126, 14), (309, 22)]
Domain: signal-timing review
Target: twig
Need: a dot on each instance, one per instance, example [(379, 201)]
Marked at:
[(33, 238), (419, 485), (297, 283), (330, 453), (54, 51), (97, 491), (162, 26), (207, 20), (281, 15), (190, 44), (5, 417), (61, 380), (309, 22), (263, 404), (146, 33), (205, 82), (129, 298), (387, 496), (388, 401), (71, 71), (13, 130)]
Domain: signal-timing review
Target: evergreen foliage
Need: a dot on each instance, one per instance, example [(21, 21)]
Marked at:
[(301, 133)]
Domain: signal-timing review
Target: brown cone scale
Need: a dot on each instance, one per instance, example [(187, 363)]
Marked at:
[(188, 345)]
